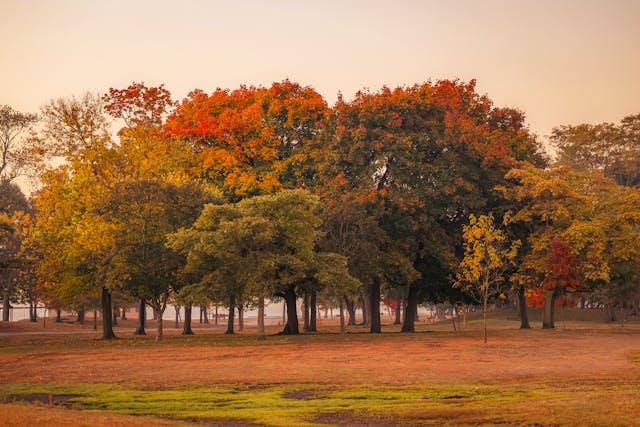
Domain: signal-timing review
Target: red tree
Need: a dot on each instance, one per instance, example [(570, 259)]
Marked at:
[(562, 277)]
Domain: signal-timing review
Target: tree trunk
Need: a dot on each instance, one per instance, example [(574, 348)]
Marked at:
[(6, 306), (548, 309), (115, 316), (240, 317), (58, 315), (342, 328), (284, 312), (313, 327), (107, 325), (124, 314), (522, 304), (305, 311), (398, 312), (351, 309), (159, 333), (232, 310), (216, 313), (33, 314), (80, 318), (142, 317), (291, 327), (159, 312), (186, 326), (261, 334), (177, 307), (366, 306), (205, 314), (95, 320), (484, 318), (410, 310), (376, 326)]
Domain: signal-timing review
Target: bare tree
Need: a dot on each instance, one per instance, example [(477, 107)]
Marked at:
[(13, 124)]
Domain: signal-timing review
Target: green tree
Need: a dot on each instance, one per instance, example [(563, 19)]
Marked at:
[(142, 214), (261, 246)]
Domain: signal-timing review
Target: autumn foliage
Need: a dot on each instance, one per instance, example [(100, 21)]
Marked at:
[(251, 140), (563, 275), (408, 181)]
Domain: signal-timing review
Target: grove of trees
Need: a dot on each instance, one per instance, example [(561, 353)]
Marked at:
[(241, 196)]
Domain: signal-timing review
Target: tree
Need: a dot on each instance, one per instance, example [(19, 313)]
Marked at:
[(259, 247), (73, 241), (251, 140), (423, 157), (354, 233), (562, 277), (139, 106), (141, 214), (13, 124), (12, 198), (487, 256), (613, 149), (593, 215), (9, 261)]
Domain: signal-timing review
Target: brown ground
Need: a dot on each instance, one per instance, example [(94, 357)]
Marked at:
[(574, 353), (439, 356)]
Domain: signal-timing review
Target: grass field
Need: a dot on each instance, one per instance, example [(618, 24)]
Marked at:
[(583, 373)]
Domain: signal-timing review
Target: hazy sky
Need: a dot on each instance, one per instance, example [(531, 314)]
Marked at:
[(561, 62)]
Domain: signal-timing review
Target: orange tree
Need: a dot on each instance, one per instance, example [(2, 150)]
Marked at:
[(252, 140)]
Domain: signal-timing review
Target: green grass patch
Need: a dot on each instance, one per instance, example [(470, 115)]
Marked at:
[(306, 405)]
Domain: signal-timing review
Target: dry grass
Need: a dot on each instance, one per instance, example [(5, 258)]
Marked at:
[(40, 415), (585, 370)]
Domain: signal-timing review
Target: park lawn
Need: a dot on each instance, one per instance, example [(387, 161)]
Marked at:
[(582, 373), (311, 404)]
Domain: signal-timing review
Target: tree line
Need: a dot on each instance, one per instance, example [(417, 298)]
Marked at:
[(424, 193)]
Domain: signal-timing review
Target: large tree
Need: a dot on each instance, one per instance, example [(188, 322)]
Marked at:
[(141, 214), (423, 157), (611, 148), (252, 140), (588, 212), (73, 239), (259, 247), (154, 193)]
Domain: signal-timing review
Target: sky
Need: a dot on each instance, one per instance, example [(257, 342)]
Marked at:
[(559, 61)]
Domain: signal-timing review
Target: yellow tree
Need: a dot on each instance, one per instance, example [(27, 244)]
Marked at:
[(72, 238), (592, 214), (487, 257)]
